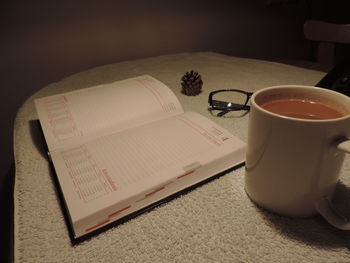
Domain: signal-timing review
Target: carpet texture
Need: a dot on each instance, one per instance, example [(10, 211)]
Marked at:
[(213, 223)]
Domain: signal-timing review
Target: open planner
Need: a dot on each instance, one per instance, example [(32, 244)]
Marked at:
[(120, 148)]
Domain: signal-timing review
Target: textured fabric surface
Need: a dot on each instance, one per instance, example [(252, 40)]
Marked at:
[(213, 223)]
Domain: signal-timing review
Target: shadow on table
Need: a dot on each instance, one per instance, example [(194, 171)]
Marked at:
[(38, 137), (315, 231)]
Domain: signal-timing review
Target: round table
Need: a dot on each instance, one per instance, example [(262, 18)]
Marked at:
[(213, 223)]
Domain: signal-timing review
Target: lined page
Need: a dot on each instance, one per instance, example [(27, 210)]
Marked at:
[(103, 109), (136, 155), (126, 163)]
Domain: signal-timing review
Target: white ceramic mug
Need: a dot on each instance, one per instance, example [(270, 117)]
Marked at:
[(293, 164)]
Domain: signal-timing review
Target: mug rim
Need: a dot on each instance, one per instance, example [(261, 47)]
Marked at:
[(300, 87)]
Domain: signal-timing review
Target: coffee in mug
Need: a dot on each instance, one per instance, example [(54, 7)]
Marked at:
[(302, 108), (297, 140)]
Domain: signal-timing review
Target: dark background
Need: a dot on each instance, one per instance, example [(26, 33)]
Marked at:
[(44, 41)]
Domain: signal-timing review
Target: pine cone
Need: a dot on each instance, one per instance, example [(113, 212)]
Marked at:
[(191, 83)]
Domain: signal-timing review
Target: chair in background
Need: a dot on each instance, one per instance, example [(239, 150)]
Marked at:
[(331, 41)]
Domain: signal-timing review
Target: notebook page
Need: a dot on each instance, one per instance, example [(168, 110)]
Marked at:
[(116, 167), (85, 114)]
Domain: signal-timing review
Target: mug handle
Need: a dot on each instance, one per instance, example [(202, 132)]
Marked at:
[(325, 207)]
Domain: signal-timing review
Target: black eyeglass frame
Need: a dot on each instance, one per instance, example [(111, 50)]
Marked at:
[(215, 104)]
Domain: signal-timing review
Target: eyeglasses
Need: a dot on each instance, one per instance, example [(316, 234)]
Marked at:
[(228, 100)]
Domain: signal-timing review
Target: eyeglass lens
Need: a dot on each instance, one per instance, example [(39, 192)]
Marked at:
[(229, 99)]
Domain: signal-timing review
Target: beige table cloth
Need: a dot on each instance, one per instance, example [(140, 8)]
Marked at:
[(213, 223)]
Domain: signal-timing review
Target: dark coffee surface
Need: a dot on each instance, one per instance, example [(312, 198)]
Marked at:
[(301, 108)]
